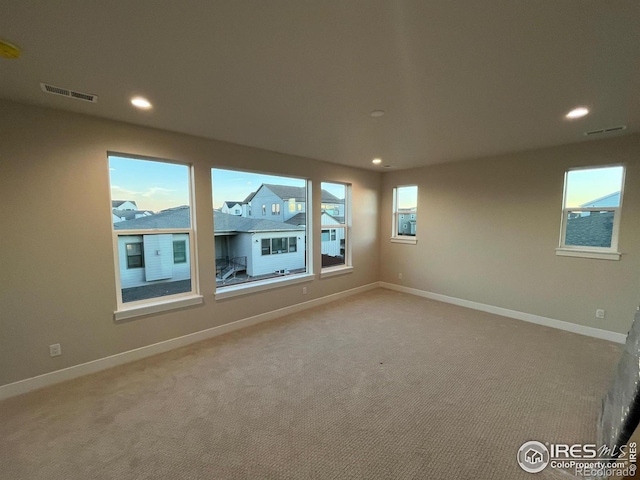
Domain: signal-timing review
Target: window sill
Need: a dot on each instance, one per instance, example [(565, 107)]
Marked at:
[(253, 287), (335, 271), (570, 252), (409, 240), (158, 306)]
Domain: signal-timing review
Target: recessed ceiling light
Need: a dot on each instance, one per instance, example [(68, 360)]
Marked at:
[(577, 113), (376, 161), (377, 113), (141, 102)]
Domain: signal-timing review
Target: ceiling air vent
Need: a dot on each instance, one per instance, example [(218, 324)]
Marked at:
[(606, 130), (65, 92)]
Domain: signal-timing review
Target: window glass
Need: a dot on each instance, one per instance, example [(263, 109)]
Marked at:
[(591, 208), (252, 247), (152, 225), (334, 211)]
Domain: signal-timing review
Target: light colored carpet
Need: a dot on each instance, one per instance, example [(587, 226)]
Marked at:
[(381, 385)]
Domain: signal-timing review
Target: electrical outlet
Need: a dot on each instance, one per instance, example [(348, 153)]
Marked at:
[(304, 290), (599, 313), (400, 276), (55, 350)]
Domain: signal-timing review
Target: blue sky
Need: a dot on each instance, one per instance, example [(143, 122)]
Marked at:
[(152, 185), (591, 184)]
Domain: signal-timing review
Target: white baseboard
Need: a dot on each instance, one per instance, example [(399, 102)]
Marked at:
[(505, 312), (47, 379)]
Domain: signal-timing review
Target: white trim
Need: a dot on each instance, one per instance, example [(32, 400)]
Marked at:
[(260, 286), (47, 379), (148, 308), (570, 252), (410, 240), (334, 271), (505, 312)]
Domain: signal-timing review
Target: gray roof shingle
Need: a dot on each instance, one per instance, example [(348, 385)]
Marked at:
[(223, 223)]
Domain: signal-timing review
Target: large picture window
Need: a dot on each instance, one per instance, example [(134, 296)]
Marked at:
[(591, 212), (153, 231), (405, 214), (250, 247), (334, 237)]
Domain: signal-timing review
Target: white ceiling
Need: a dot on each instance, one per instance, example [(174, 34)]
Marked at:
[(457, 79)]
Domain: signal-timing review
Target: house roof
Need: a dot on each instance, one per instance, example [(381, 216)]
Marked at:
[(223, 222), (231, 204), (591, 230), (298, 219), (601, 199), (249, 197), (117, 203), (285, 192), (130, 214), (172, 218)]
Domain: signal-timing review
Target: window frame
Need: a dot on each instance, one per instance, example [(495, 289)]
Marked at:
[(587, 251), (167, 302), (347, 266), (395, 236)]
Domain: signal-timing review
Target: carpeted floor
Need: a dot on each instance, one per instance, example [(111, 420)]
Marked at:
[(381, 385)]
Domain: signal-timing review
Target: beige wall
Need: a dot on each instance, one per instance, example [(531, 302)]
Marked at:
[(57, 268), (488, 229)]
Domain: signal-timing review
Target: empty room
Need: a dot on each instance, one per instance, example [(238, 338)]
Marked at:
[(357, 239)]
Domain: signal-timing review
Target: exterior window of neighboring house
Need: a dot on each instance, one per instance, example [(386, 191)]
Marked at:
[(405, 214), (335, 220), (237, 211), (153, 249), (274, 246), (299, 207), (279, 245), (180, 251), (591, 212), (135, 255), (259, 250), (266, 246)]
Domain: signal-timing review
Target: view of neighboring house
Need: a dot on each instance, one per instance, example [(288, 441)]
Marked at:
[(407, 221), (154, 257), (250, 241), (332, 239), (593, 228), (257, 247), (123, 210), (611, 200), (282, 202), (232, 208)]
